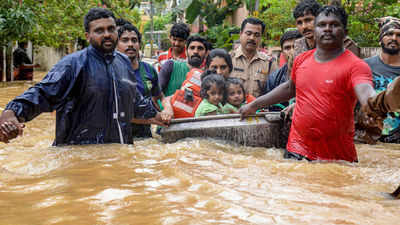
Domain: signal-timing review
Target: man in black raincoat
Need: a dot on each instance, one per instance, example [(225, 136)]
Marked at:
[(93, 91)]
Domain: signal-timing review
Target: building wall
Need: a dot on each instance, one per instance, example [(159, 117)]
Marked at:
[(47, 57)]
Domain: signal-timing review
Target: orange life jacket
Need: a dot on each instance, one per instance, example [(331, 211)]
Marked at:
[(193, 81), (182, 107)]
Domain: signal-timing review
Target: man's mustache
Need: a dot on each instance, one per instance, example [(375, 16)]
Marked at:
[(195, 56), (130, 49), (251, 42), (107, 39), (307, 30), (394, 42)]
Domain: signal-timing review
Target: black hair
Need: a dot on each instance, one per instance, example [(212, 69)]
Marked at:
[(21, 44), (129, 27), (180, 30), (306, 7), (339, 12), (235, 81), (210, 80), (121, 21), (222, 53), (253, 21), (206, 73), (289, 35), (95, 14), (197, 38)]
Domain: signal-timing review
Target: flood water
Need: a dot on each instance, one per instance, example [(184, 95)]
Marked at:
[(189, 182)]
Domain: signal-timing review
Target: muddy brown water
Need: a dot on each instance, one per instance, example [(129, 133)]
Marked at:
[(192, 181)]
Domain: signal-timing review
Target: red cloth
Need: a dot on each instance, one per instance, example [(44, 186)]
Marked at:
[(323, 123), (164, 56), (282, 60), (250, 98)]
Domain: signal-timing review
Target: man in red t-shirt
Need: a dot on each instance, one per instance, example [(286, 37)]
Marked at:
[(178, 35), (326, 82)]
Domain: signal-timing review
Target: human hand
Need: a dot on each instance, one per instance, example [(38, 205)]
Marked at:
[(158, 120), (288, 111), (247, 110), (10, 127)]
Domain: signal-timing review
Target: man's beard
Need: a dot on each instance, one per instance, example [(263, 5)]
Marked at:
[(390, 51), (101, 47), (195, 61)]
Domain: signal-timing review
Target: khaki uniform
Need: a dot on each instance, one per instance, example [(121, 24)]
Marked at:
[(253, 73)]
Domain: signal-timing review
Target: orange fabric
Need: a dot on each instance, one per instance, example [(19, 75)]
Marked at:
[(250, 98), (193, 81), (183, 108)]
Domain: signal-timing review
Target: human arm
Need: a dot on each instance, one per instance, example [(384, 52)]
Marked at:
[(165, 75), (283, 92), (10, 127)]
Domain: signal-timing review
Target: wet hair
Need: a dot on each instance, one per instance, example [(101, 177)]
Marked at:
[(253, 21), (95, 14), (180, 30), (289, 35), (222, 53), (206, 73), (129, 27), (339, 12), (121, 21), (306, 7), (210, 80), (197, 38), (234, 81)]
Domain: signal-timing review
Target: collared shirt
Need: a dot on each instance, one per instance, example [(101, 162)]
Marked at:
[(253, 73), (164, 56)]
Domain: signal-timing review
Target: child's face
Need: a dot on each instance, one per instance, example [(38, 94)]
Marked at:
[(235, 95), (215, 95)]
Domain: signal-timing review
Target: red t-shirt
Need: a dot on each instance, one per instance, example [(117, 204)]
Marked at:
[(323, 126)]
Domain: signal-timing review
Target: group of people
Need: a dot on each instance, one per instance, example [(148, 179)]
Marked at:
[(105, 93)]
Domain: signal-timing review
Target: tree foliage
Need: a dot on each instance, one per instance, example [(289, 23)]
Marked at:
[(54, 22), (361, 22), (213, 12), (16, 21)]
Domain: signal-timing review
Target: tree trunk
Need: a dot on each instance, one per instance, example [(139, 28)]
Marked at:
[(9, 65), (1, 63)]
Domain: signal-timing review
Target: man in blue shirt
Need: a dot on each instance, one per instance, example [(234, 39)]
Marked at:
[(93, 91), (129, 41)]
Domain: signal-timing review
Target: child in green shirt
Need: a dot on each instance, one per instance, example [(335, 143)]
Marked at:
[(212, 92), (235, 95)]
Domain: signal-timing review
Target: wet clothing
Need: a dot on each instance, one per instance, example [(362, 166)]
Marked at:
[(323, 123), (167, 55), (206, 107), (147, 84), (384, 74), (94, 95), (253, 73), (275, 79), (172, 75), (20, 57)]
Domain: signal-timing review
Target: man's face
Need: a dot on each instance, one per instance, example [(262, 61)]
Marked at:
[(391, 42), (288, 48), (102, 34), (250, 37), (196, 53), (178, 44), (129, 44), (329, 31), (305, 25)]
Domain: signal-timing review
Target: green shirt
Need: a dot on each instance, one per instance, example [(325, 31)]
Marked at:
[(178, 75), (206, 107)]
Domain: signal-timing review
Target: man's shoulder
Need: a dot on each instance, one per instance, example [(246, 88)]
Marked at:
[(372, 60)]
